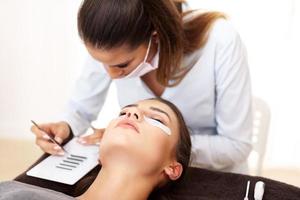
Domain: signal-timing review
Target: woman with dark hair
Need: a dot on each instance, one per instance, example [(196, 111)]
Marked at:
[(144, 149), (149, 49)]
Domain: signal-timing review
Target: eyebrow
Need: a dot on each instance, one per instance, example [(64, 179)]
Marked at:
[(130, 105), (124, 63), (161, 111), (152, 108)]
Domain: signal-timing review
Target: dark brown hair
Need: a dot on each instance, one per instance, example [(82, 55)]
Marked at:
[(183, 146), (111, 23), (182, 152)]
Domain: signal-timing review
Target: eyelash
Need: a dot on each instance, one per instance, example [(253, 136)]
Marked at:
[(122, 113), (122, 66), (157, 120), (160, 121)]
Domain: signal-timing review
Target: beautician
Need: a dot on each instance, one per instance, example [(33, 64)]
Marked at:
[(150, 49)]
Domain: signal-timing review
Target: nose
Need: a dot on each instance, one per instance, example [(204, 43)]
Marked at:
[(114, 72), (133, 114)]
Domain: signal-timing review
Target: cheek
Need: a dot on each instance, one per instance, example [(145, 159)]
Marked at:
[(156, 147), (113, 144), (110, 133), (116, 136)]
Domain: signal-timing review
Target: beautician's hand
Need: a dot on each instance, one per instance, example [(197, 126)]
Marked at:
[(59, 130), (94, 138)]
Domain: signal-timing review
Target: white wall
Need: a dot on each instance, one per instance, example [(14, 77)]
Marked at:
[(41, 55)]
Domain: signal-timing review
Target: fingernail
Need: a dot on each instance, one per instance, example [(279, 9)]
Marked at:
[(58, 139), (61, 153), (46, 137), (82, 141), (97, 143), (57, 147)]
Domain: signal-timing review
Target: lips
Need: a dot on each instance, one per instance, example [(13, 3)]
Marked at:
[(126, 123)]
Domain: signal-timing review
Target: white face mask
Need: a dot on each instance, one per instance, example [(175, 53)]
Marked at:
[(144, 67)]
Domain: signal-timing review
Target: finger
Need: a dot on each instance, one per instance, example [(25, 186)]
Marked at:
[(58, 139), (91, 139), (50, 147), (46, 127), (61, 131), (94, 138), (61, 134), (39, 134)]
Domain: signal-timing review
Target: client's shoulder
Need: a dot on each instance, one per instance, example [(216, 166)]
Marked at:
[(11, 185), (13, 190)]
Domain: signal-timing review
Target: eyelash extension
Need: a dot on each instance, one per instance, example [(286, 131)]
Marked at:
[(158, 120), (122, 113), (154, 122)]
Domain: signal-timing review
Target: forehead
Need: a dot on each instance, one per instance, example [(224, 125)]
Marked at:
[(147, 104)]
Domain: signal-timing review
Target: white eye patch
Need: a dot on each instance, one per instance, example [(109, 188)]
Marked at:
[(158, 124)]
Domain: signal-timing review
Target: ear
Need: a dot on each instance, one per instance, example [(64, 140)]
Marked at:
[(173, 171)]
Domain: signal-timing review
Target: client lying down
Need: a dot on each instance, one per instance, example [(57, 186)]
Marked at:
[(146, 148)]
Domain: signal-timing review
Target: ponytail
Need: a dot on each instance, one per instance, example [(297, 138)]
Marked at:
[(178, 4)]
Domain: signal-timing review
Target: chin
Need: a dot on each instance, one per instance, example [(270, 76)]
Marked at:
[(131, 157), (127, 148), (115, 148), (118, 138)]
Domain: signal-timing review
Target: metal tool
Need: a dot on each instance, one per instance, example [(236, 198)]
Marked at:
[(247, 191)]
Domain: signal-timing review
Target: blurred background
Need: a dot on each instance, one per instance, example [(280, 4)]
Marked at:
[(41, 56)]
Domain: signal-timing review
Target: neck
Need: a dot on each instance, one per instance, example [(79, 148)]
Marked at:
[(119, 184), (152, 83)]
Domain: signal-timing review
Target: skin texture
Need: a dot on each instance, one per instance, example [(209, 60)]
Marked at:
[(136, 157)]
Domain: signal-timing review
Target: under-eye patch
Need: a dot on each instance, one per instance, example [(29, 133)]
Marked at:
[(158, 124)]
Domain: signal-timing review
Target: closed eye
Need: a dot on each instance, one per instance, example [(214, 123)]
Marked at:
[(122, 113), (160, 121), (122, 66)]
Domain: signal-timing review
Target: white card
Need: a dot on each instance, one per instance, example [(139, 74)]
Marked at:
[(69, 168)]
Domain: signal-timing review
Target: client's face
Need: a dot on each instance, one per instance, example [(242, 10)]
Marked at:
[(144, 136)]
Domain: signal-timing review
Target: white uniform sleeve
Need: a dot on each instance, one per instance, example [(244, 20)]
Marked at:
[(233, 107), (88, 97)]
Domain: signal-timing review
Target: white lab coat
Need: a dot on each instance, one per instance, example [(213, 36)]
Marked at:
[(214, 98)]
